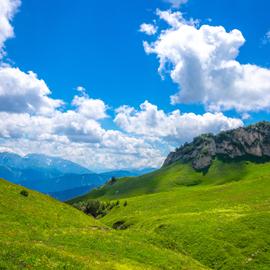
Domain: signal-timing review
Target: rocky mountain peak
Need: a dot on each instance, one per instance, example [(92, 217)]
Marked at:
[(252, 142)]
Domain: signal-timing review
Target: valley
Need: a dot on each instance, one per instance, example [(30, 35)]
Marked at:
[(172, 218)]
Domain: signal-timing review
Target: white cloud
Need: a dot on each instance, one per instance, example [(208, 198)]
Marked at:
[(81, 89), (172, 127), (176, 3), (72, 133), (175, 19), (79, 125), (202, 61), (147, 135), (148, 29), (32, 121), (90, 108), (20, 92), (24, 92), (7, 10), (82, 140), (76, 127), (91, 156)]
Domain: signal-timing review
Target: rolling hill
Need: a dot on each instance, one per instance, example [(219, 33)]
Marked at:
[(38, 232), (209, 200), (221, 219), (201, 210), (179, 175)]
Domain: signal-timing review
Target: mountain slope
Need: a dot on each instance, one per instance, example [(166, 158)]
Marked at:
[(69, 186), (213, 207), (38, 232), (179, 175), (233, 155), (221, 219), (222, 226), (244, 143)]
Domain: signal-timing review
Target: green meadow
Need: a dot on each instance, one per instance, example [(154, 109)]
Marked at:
[(174, 218), (221, 218), (37, 232)]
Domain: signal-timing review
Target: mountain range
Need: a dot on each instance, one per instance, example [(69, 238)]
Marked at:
[(55, 176)]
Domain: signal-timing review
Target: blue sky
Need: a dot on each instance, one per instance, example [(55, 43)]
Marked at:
[(97, 45)]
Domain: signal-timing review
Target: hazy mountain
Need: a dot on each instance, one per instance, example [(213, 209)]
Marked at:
[(65, 182), (54, 163), (58, 177), (41, 161)]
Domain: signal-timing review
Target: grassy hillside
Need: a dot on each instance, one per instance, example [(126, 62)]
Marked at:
[(179, 175), (221, 219), (175, 218), (37, 232)]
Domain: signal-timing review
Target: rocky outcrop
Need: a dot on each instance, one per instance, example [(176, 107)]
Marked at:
[(252, 142)]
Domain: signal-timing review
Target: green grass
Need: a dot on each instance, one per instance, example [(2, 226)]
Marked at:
[(221, 219), (175, 218), (37, 232), (178, 175)]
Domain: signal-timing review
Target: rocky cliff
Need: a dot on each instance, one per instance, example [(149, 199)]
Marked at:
[(252, 142)]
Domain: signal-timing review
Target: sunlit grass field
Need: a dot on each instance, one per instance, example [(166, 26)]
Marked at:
[(37, 232), (221, 219), (175, 218)]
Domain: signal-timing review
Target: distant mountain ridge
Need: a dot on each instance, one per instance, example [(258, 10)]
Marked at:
[(60, 178), (249, 143), (40, 161)]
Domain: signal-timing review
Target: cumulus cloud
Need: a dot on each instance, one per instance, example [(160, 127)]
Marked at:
[(202, 61), (146, 137), (92, 156), (82, 140), (20, 91), (7, 10), (91, 108), (79, 125), (73, 130), (148, 29), (174, 126), (24, 92), (32, 121)]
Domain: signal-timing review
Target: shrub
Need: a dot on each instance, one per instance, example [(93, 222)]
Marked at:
[(24, 193), (96, 208), (111, 206), (93, 208)]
